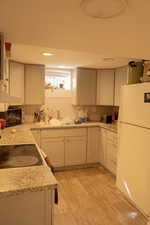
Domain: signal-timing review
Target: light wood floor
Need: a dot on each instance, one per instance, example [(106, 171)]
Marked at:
[(89, 197)]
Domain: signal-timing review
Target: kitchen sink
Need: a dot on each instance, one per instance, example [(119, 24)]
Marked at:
[(13, 156)]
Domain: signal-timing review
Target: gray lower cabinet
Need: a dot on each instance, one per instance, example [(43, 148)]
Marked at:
[(108, 149), (55, 150), (28, 207), (75, 151), (69, 147), (93, 145), (83, 146)]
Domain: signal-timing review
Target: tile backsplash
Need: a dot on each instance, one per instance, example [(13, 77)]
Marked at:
[(68, 110), (29, 112), (95, 113)]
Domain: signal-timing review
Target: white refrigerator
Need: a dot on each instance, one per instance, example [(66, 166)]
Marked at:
[(133, 171)]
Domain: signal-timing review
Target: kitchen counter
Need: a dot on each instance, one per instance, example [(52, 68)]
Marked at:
[(112, 127), (16, 180)]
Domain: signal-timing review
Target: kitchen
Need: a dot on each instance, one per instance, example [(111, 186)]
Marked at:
[(71, 125)]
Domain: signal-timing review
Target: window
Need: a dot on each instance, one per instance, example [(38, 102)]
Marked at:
[(58, 79)]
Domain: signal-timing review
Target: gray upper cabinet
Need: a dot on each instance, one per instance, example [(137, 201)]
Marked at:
[(34, 84), (16, 81), (105, 87), (121, 77), (84, 86)]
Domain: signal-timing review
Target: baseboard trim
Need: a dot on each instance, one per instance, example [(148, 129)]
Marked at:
[(74, 167)]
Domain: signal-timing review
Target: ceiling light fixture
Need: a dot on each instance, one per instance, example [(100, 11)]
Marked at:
[(47, 54), (103, 9)]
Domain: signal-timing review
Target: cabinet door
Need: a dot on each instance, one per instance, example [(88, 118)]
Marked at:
[(120, 79), (86, 86), (31, 208), (93, 145), (105, 87), (102, 146), (75, 151), (55, 150), (111, 157), (34, 84), (111, 151), (16, 80)]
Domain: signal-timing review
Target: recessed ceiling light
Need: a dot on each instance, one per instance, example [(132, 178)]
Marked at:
[(47, 54), (103, 9)]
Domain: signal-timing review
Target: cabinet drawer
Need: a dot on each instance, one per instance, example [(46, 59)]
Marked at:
[(71, 139), (51, 139), (112, 156), (110, 136), (63, 132), (116, 139)]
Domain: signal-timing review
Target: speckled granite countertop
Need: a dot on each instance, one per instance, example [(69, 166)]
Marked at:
[(16, 180), (22, 136), (112, 127)]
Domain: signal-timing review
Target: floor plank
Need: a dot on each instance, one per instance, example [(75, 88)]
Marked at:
[(89, 197)]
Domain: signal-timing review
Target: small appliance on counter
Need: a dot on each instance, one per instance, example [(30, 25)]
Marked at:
[(13, 116), (107, 119)]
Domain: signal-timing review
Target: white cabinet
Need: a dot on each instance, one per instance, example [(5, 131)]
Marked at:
[(64, 147), (121, 76), (55, 150), (34, 84), (28, 208), (75, 151), (108, 149), (102, 145), (93, 145), (16, 80), (84, 86), (105, 87), (111, 157)]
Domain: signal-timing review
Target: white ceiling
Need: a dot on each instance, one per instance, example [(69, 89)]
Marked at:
[(63, 58), (61, 24)]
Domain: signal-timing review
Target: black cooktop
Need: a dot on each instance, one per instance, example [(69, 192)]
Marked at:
[(13, 156)]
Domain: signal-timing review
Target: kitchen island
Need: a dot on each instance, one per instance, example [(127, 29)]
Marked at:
[(112, 127)]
